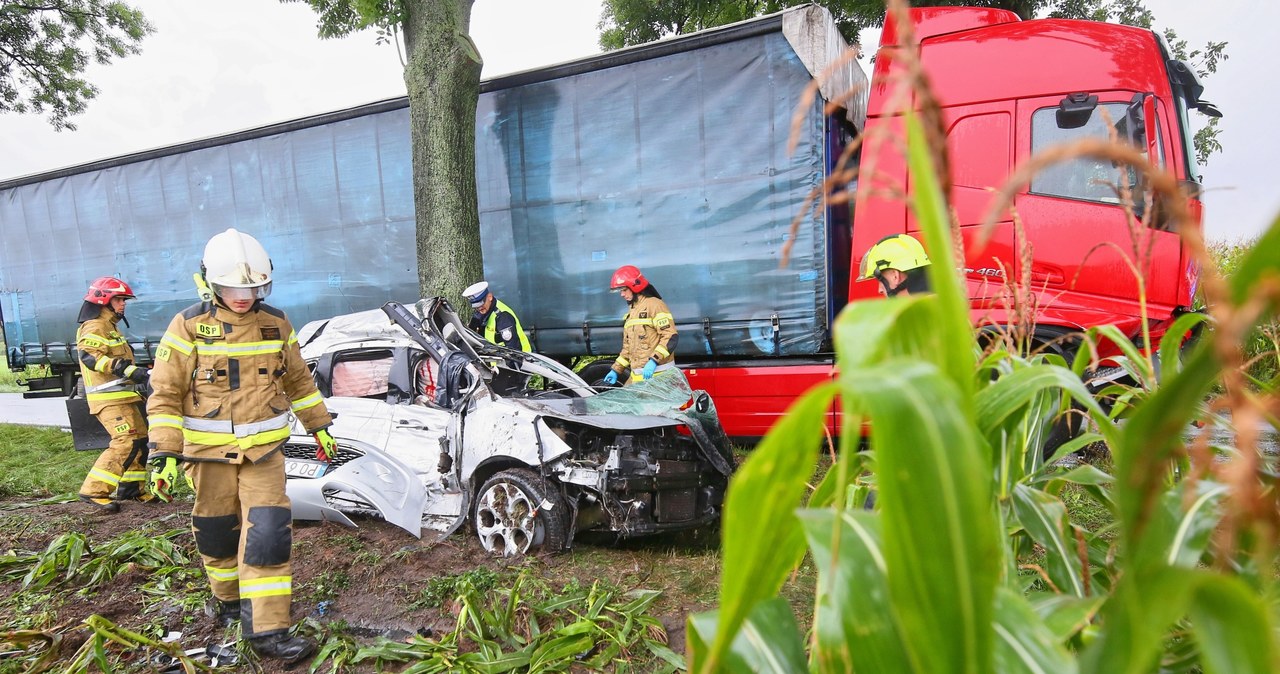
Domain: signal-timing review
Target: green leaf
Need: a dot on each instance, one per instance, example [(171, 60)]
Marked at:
[(1171, 343), (1233, 627), (952, 323), (1064, 615), (554, 651), (1147, 442), (761, 500), (854, 625), (866, 332), (1142, 606), (769, 641), (1045, 519), (1137, 365), (941, 531), (1000, 402), (1191, 529), (1262, 260), (1023, 642)]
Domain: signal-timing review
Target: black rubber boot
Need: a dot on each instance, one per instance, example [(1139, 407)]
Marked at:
[(225, 612), (133, 491), (101, 503), (283, 647)]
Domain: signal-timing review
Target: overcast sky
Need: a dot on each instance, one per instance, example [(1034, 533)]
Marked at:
[(216, 67)]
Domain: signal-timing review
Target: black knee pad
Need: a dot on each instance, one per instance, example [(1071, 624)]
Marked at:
[(217, 536), (270, 538)]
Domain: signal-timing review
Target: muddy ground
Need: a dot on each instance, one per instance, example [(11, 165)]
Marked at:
[(370, 577)]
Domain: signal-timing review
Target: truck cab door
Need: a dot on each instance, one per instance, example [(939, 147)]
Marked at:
[(1087, 253)]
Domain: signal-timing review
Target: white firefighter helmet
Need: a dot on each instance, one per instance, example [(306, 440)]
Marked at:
[(236, 266)]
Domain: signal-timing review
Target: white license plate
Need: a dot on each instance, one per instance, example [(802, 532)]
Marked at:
[(301, 468)]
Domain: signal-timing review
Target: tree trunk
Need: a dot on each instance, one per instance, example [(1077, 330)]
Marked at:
[(442, 75)]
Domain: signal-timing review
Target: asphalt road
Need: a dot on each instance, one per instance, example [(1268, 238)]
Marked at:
[(14, 409)]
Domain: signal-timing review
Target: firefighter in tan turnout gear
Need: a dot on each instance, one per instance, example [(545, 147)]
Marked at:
[(228, 378), (112, 384), (649, 334)]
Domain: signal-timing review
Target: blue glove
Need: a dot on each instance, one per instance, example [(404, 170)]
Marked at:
[(611, 378), (649, 369)]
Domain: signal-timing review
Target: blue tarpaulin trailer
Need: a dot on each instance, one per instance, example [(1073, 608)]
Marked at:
[(689, 158)]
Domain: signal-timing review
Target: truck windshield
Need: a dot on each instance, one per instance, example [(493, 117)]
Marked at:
[(1085, 178)]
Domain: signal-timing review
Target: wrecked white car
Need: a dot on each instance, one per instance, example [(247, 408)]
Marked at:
[(436, 426)]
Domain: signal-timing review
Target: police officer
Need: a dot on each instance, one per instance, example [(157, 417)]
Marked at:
[(494, 319), (228, 378), (649, 334), (112, 383), (898, 262)]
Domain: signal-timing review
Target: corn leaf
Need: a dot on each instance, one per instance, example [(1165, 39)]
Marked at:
[(1064, 615), (761, 502), (767, 643), (1232, 627), (1045, 518), (1023, 642), (1189, 530), (1001, 402), (955, 358), (854, 624), (940, 527)]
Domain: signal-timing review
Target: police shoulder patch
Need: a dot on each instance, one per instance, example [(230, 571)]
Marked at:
[(208, 331)]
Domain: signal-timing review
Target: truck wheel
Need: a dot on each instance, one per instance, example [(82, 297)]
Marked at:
[(514, 515), (1063, 429)]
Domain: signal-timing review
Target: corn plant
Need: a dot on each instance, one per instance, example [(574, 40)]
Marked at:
[(108, 648), (508, 630), (70, 558), (932, 580)]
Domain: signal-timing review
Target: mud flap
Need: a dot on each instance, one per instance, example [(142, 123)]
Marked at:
[(378, 480)]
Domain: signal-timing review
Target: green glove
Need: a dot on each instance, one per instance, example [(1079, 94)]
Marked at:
[(326, 446), (164, 475)]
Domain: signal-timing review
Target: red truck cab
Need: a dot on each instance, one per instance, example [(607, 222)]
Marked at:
[(1009, 89)]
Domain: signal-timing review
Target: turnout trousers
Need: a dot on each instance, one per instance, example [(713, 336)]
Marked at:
[(123, 464), (244, 531)]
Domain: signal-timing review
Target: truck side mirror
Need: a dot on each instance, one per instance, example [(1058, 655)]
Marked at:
[(1132, 127), (1075, 109)]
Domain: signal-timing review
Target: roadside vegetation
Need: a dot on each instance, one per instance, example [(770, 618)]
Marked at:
[(976, 556)]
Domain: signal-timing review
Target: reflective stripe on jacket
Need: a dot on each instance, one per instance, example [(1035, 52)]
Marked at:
[(509, 341), (226, 385), (649, 332), (101, 347)]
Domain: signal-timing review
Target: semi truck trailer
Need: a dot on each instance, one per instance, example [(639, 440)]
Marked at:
[(699, 159)]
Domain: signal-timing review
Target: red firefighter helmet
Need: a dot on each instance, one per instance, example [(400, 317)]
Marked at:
[(104, 288), (630, 278)]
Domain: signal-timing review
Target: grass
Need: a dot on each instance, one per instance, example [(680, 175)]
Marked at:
[(37, 461)]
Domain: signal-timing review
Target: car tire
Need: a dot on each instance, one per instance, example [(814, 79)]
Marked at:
[(516, 512)]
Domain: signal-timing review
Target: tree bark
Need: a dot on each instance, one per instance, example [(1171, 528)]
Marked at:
[(442, 75)]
